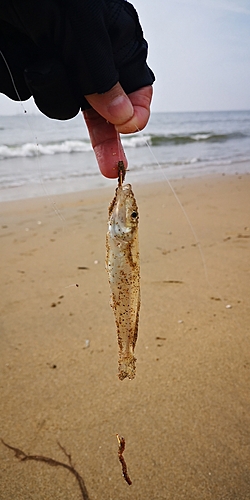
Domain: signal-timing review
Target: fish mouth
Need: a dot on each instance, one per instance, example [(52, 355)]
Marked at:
[(127, 187), (122, 195)]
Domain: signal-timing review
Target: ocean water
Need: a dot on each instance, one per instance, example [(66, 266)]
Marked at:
[(39, 156)]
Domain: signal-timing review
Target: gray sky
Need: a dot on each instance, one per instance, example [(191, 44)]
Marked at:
[(199, 51)]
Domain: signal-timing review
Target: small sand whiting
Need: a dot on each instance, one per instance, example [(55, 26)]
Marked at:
[(123, 267), (121, 448)]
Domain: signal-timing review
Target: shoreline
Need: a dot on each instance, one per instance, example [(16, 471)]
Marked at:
[(162, 173), (185, 416)]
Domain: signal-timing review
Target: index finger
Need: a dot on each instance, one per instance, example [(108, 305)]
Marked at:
[(106, 143)]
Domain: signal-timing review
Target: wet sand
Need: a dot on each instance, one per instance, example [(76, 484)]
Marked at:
[(186, 416)]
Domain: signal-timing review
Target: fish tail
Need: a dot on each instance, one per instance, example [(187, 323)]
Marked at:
[(126, 366)]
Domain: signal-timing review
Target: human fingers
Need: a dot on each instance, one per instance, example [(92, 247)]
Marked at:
[(106, 143), (128, 113), (114, 105), (140, 100), (110, 116)]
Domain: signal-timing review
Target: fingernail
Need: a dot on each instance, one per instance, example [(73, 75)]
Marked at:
[(121, 107)]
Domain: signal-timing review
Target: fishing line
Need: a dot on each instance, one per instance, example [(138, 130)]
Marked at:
[(197, 242), (121, 154), (35, 139)]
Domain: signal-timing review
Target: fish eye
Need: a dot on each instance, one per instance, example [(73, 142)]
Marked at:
[(134, 215)]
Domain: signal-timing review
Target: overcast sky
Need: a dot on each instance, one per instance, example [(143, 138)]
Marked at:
[(199, 51)]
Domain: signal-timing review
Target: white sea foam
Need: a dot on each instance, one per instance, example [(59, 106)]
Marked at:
[(200, 137), (135, 141), (31, 149)]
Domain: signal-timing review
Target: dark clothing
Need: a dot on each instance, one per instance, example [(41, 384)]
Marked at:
[(60, 50)]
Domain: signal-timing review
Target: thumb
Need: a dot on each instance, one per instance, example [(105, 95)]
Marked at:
[(114, 105)]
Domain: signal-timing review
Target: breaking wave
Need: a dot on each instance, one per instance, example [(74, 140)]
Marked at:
[(175, 139), (31, 149), (131, 141)]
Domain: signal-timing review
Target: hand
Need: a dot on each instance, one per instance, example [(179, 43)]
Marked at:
[(114, 112), (70, 55)]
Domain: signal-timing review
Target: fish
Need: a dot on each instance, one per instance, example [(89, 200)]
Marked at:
[(123, 267)]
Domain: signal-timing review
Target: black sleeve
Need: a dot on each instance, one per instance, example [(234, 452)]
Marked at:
[(60, 50)]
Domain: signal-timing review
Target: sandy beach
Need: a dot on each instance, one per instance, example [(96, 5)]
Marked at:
[(186, 416)]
